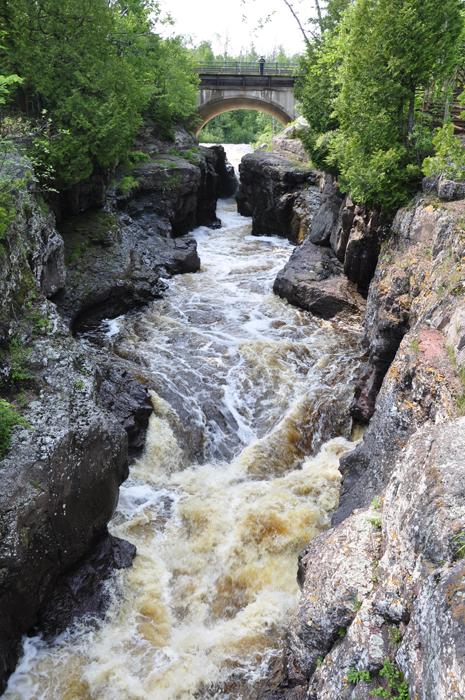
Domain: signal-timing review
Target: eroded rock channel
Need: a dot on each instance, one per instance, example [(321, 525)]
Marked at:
[(234, 371)]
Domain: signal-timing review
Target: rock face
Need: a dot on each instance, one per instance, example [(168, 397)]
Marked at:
[(288, 143), (325, 220), (278, 194), (313, 279), (74, 414), (228, 180), (82, 591), (383, 590), (114, 265)]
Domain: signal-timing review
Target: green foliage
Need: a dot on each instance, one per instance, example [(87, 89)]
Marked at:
[(374, 521), (459, 545), (395, 681), (394, 635), (342, 632), (354, 676), (241, 126), (358, 95), (8, 418), (415, 345), (96, 67), (449, 158), (375, 503), (19, 360), (126, 184)]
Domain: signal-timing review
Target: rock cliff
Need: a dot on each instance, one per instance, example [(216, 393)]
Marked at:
[(381, 608), (279, 194), (69, 414)]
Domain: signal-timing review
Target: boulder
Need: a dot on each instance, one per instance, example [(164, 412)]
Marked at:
[(313, 280), (272, 191)]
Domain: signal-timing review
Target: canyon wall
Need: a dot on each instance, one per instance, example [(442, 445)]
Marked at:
[(382, 591), (71, 418)]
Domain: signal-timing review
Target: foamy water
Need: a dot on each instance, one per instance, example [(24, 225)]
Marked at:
[(240, 471)]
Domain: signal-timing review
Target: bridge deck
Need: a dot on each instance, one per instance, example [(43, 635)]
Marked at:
[(209, 80)]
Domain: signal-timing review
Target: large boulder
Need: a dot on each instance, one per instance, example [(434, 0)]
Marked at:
[(313, 279), (272, 191)]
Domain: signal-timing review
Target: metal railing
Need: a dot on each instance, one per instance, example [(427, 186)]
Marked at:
[(247, 68)]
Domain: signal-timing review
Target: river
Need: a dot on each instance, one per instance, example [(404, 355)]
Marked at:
[(240, 471)]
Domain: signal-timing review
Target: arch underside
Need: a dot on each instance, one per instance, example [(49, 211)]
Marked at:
[(215, 107)]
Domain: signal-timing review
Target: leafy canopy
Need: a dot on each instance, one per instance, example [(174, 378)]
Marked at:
[(363, 72), (95, 67)]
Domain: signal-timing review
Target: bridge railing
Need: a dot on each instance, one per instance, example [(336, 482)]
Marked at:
[(247, 68)]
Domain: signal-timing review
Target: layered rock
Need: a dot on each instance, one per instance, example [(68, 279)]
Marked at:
[(76, 413), (114, 265), (278, 194), (288, 143), (313, 279), (383, 589)]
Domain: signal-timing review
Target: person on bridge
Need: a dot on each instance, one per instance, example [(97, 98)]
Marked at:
[(261, 63)]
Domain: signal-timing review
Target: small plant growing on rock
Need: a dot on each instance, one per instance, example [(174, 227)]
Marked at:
[(8, 418), (375, 503), (354, 676), (394, 635), (415, 345), (395, 681), (459, 545), (374, 521)]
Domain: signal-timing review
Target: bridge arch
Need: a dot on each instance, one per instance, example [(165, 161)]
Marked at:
[(214, 107)]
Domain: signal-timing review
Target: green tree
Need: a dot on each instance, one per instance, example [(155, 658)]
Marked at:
[(95, 67), (380, 53)]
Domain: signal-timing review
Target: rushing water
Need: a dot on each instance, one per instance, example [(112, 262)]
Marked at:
[(239, 473)]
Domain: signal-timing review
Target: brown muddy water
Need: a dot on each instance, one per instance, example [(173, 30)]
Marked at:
[(240, 471)]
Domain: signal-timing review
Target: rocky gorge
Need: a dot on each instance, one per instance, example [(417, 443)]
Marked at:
[(381, 611), (83, 414), (382, 589)]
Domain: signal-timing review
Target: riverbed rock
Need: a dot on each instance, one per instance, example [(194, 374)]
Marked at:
[(82, 592), (114, 265), (405, 481), (272, 191), (313, 279)]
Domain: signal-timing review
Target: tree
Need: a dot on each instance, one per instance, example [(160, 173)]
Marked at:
[(372, 63), (95, 67)]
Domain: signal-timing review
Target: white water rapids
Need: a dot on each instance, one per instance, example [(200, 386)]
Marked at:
[(240, 471)]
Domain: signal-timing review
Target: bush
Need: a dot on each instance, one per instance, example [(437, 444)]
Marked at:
[(8, 418)]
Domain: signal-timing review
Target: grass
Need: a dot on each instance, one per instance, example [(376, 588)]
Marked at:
[(415, 345)]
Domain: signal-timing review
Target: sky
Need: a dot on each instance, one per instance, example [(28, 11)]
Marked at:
[(204, 19)]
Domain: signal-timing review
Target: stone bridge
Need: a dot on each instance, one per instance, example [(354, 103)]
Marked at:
[(239, 87)]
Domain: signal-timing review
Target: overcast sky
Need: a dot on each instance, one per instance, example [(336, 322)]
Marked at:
[(203, 19)]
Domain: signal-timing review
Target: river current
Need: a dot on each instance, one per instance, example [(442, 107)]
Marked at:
[(240, 471)]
